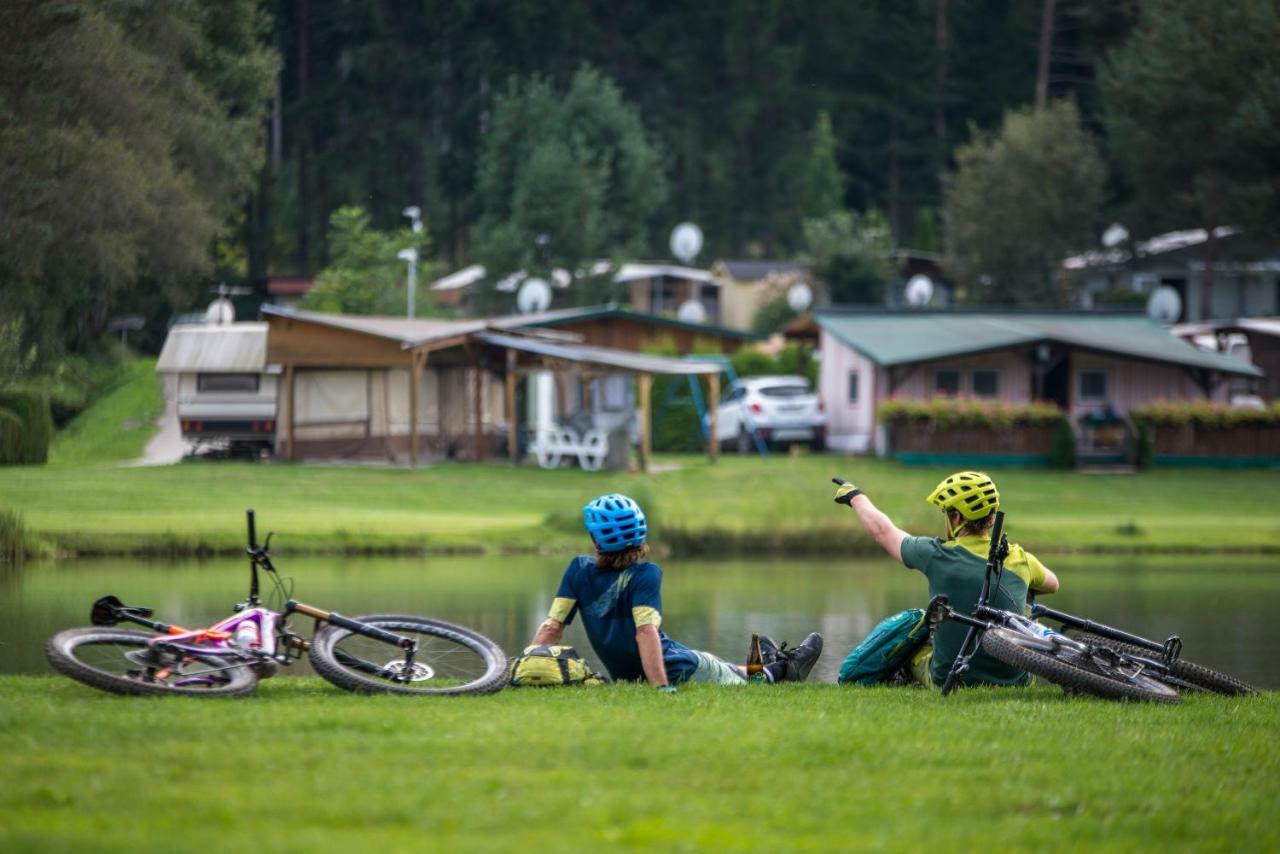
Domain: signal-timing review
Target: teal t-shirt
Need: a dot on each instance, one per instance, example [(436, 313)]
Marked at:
[(955, 569), (612, 605)]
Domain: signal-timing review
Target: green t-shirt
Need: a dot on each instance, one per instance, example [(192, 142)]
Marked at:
[(955, 569)]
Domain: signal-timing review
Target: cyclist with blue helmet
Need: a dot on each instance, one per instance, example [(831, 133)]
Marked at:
[(618, 594)]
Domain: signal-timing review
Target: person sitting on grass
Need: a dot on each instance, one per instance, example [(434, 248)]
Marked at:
[(619, 595), (955, 567)]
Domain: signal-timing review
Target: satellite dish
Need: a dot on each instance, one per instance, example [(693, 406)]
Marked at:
[(919, 290), (686, 241), (799, 297), (1165, 304), (220, 312), (1114, 235), (534, 296), (691, 311)]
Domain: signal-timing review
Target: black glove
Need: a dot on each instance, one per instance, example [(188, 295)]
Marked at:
[(845, 491)]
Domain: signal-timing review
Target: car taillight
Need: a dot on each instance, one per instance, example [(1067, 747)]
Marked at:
[(757, 408)]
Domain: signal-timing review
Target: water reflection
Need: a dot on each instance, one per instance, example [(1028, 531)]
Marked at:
[(1220, 606)]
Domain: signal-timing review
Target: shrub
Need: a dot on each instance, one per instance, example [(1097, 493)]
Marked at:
[(945, 412), (13, 537), (1143, 447), (1062, 453), (1203, 414), (25, 427)]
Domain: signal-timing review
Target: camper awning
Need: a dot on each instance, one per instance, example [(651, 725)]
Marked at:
[(235, 348)]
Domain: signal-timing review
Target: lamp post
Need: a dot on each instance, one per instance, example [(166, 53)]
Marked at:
[(414, 213)]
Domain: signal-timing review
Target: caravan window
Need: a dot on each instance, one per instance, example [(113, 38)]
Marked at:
[(227, 382), (946, 382)]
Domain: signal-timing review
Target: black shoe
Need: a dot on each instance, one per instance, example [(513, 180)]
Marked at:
[(801, 659), (768, 650)]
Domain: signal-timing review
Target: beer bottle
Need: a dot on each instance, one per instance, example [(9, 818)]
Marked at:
[(755, 661)]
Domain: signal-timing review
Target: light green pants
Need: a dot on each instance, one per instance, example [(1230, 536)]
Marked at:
[(713, 670)]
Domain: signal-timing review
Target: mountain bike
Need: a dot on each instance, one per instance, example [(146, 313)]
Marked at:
[(382, 653), (1096, 659)]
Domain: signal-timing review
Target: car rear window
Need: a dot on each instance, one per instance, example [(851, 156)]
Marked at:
[(784, 390)]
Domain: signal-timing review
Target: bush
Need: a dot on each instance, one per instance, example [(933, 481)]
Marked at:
[(946, 412), (1203, 414), (1062, 453), (26, 427), (13, 537), (1143, 447)]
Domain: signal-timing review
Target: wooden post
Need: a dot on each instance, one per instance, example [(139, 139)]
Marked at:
[(416, 362), (646, 441), (477, 404), (289, 376), (511, 407), (585, 381), (713, 405)]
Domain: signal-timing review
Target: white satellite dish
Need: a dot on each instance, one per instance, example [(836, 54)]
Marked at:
[(919, 290), (534, 296), (686, 241), (691, 311), (1165, 304), (220, 312), (1114, 235), (799, 297)]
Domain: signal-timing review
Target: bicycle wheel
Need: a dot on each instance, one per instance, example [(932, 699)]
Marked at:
[(450, 659), (1188, 671), (123, 662), (1074, 672)]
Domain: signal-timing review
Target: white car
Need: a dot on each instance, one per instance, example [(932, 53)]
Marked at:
[(783, 409)]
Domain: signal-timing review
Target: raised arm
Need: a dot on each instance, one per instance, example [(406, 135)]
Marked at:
[(877, 525)]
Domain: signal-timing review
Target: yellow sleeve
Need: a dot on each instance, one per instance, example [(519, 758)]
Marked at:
[(561, 608), (646, 616), (1036, 576)]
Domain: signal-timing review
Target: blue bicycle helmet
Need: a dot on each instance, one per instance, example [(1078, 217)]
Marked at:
[(615, 522)]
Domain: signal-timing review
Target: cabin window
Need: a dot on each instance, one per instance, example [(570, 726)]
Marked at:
[(227, 382), (615, 393), (986, 383), (1093, 385), (853, 386), (946, 383)]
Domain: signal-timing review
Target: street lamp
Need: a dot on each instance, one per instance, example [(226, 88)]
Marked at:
[(414, 213)]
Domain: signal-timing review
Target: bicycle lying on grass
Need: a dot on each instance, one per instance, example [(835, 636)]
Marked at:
[(1094, 659), (375, 654)]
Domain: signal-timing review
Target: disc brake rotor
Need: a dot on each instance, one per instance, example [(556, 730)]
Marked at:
[(420, 672)]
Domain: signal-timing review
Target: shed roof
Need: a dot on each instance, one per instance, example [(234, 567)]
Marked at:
[(750, 271), (898, 339), (608, 357), (230, 348), (1260, 325)]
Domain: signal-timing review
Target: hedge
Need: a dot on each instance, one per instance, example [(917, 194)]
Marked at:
[(25, 427), (959, 413), (1203, 414)]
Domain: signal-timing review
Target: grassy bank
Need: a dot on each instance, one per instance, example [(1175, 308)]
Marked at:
[(84, 502), (796, 768), (781, 505)]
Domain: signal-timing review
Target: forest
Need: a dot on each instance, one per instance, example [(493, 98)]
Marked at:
[(149, 151)]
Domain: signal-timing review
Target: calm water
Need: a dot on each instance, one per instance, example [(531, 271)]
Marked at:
[(1222, 607)]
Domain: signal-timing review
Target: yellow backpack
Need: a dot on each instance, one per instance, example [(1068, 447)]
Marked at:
[(544, 666)]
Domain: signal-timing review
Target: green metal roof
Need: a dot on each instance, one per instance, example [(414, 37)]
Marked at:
[(920, 336)]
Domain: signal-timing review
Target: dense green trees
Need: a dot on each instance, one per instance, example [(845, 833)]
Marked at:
[(130, 137), (1021, 201), (365, 273)]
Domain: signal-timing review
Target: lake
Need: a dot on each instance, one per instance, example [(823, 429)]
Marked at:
[(1221, 606)]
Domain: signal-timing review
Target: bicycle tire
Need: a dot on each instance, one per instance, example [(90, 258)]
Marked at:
[(451, 659), (97, 657), (1011, 648), (1188, 671)]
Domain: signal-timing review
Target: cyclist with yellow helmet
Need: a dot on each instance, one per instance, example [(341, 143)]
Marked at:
[(955, 566)]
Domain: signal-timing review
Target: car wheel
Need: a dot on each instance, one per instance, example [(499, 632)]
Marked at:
[(745, 445)]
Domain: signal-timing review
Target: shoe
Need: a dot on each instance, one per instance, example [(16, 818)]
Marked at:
[(801, 659), (768, 650)]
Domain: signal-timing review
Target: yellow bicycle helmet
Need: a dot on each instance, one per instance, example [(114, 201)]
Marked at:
[(970, 493)]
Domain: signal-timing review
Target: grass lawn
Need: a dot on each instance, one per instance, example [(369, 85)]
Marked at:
[(84, 501), (304, 765)]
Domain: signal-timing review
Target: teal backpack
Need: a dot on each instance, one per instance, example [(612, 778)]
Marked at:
[(882, 652)]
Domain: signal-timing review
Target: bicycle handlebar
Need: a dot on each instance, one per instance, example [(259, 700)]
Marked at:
[(253, 532)]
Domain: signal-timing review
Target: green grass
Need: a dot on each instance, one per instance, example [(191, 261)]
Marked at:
[(85, 502), (303, 766), (118, 425)]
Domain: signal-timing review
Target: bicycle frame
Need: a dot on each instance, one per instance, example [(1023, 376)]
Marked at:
[(273, 643)]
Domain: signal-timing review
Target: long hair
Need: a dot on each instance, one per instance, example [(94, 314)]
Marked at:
[(614, 561)]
